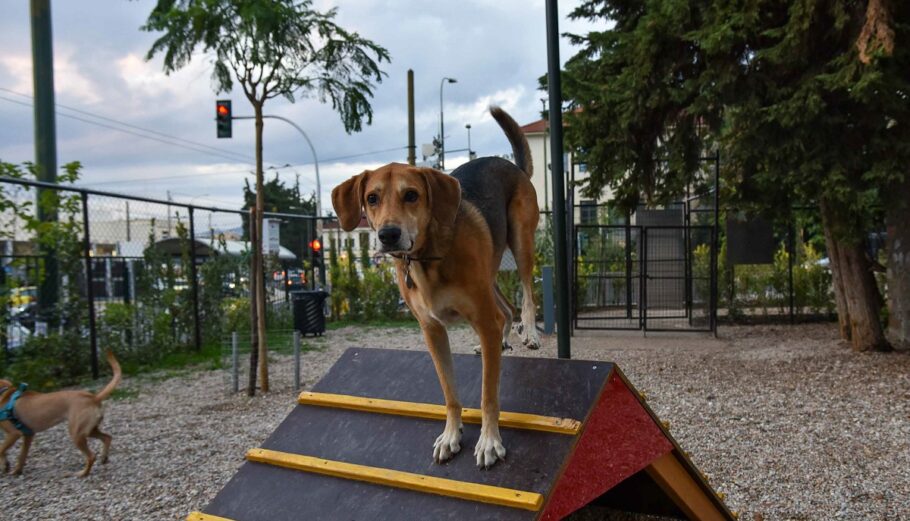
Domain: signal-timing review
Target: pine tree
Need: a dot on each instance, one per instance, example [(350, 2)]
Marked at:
[(808, 101)]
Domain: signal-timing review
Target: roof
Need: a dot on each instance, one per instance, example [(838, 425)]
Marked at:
[(536, 127), (331, 225)]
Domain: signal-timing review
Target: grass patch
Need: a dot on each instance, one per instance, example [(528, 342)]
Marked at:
[(124, 394)]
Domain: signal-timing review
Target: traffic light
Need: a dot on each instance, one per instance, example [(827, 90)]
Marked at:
[(223, 117), (316, 248)]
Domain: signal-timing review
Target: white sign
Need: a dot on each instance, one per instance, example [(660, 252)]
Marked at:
[(272, 234)]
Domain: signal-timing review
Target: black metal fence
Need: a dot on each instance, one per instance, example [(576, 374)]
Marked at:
[(147, 277)]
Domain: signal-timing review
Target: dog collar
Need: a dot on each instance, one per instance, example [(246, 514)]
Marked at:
[(407, 258)]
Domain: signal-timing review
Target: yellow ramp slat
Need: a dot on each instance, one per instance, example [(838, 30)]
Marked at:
[(199, 516), (432, 411), (394, 478)]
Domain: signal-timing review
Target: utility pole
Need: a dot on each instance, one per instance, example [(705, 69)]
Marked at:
[(546, 185), (412, 146), (169, 214), (559, 202), (128, 238), (45, 140)]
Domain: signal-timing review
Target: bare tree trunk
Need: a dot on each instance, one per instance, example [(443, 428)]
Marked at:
[(898, 248), (257, 252), (859, 297), (254, 332), (840, 293)]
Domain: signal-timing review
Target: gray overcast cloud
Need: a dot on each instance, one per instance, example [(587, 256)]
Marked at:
[(496, 49)]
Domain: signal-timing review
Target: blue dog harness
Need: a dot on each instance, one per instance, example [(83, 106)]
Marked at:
[(9, 415)]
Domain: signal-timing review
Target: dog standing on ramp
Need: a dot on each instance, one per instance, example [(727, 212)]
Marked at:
[(34, 412), (448, 235)]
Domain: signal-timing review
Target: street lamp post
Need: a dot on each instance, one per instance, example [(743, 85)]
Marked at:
[(442, 135), (470, 153)]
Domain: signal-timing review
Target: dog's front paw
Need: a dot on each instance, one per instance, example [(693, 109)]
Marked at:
[(489, 449), (529, 337), (447, 445)]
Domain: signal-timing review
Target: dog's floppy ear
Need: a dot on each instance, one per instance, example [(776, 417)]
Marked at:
[(444, 195), (347, 199)]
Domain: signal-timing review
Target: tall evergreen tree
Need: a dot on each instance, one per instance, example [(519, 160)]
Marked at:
[(807, 99)]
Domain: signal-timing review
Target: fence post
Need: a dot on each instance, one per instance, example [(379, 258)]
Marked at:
[(549, 317), (296, 359), (792, 253), (89, 285), (197, 330), (715, 244), (235, 362)]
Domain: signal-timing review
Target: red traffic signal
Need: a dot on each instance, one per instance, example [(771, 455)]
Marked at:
[(223, 118), (316, 245)]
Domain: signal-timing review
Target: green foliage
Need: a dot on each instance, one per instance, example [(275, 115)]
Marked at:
[(45, 360), (369, 295), (777, 85), (52, 361), (272, 48)]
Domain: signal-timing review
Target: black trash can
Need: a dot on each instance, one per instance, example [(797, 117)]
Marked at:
[(309, 317)]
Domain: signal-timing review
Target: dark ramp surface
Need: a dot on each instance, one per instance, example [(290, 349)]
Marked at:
[(563, 388)]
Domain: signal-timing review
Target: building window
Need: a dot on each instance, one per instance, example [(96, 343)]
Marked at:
[(588, 211)]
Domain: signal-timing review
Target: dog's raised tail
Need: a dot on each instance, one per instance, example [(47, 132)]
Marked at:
[(115, 381), (520, 148)]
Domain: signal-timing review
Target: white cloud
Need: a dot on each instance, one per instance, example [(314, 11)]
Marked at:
[(69, 81)]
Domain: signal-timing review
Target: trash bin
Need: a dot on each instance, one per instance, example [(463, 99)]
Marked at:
[(309, 317)]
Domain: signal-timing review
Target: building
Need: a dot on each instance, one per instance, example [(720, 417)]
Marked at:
[(331, 230), (538, 136)]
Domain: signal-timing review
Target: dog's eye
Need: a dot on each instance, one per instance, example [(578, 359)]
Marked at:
[(410, 196), (372, 199)]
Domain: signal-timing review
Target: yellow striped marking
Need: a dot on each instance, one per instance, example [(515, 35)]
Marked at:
[(394, 478), (199, 516), (517, 420)]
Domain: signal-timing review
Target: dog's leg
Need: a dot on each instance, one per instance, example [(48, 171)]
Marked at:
[(81, 442), (11, 437), (23, 454), (523, 217), (488, 323), (507, 310), (449, 442), (105, 439)]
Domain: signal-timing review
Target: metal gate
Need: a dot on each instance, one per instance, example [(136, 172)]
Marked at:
[(654, 278)]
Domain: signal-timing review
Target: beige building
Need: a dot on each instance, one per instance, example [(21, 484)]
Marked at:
[(538, 136)]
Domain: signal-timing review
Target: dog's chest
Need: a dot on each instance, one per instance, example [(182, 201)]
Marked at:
[(436, 305)]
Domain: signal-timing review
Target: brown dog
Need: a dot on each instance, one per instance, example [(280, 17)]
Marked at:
[(448, 234), (41, 411)]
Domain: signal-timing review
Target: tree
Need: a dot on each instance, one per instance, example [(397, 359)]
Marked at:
[(808, 101), (271, 48)]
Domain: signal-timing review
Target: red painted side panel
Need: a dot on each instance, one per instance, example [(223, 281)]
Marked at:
[(618, 440)]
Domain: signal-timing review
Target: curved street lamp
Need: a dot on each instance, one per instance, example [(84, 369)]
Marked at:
[(442, 136)]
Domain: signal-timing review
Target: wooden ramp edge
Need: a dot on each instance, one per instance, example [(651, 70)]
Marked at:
[(199, 516), (398, 479), (515, 420)]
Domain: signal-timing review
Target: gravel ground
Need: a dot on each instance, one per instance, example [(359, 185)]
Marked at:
[(786, 420)]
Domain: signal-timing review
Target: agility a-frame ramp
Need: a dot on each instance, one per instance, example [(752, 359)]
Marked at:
[(359, 447)]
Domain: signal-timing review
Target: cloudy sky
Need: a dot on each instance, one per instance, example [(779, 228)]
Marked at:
[(496, 49)]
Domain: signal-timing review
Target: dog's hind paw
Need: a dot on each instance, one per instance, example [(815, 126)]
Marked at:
[(447, 445), (530, 338), (489, 450)]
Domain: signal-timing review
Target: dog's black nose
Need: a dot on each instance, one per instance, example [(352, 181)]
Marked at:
[(389, 235)]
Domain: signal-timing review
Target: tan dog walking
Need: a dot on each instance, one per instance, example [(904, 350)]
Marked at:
[(448, 234), (36, 412)]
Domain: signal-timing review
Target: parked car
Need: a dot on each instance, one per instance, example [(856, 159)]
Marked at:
[(23, 295)]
